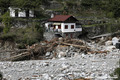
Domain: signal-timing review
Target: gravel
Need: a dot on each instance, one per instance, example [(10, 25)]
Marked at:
[(94, 66), (91, 66)]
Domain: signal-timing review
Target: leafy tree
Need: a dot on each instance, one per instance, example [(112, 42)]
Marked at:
[(7, 21), (4, 4)]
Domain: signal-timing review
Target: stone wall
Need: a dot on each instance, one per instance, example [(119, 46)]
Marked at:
[(101, 29)]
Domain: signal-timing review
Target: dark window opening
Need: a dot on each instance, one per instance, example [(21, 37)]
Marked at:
[(59, 26), (27, 13), (54, 26), (72, 26), (16, 13), (66, 26)]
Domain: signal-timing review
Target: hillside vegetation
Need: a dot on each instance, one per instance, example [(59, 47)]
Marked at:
[(103, 11), (107, 8)]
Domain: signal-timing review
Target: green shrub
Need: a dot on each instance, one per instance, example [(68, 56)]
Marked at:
[(23, 36), (6, 19), (116, 72), (110, 15), (6, 29), (29, 36), (10, 37)]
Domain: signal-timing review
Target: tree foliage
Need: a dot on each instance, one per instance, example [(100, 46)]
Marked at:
[(111, 7), (7, 21), (90, 4), (4, 4)]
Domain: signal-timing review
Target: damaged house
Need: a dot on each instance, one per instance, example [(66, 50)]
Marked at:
[(64, 25), (17, 12)]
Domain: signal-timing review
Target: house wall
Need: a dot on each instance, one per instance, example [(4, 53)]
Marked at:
[(71, 33), (12, 12), (69, 27), (63, 27), (31, 13), (47, 24), (22, 13)]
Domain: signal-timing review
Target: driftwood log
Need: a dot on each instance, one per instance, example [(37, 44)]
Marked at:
[(78, 46), (19, 56), (97, 52)]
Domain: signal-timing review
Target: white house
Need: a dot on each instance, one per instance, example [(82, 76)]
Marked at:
[(17, 12), (64, 24)]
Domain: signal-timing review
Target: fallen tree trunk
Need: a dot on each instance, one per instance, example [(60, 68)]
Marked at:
[(19, 56), (78, 46), (18, 51), (97, 52)]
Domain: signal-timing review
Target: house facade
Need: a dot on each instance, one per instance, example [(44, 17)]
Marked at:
[(17, 12), (65, 25)]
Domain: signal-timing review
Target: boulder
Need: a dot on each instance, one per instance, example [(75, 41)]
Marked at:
[(48, 54), (108, 43), (115, 40), (110, 48), (61, 54)]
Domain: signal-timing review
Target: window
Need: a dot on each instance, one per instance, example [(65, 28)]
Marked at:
[(27, 13), (66, 26), (54, 26), (72, 26), (59, 26), (16, 13)]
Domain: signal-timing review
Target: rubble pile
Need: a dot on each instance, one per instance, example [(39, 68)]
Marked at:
[(65, 47), (62, 47), (67, 59)]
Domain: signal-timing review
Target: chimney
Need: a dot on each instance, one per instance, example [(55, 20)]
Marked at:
[(52, 15)]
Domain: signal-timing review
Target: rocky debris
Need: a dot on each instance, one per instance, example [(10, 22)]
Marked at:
[(49, 49), (65, 47), (67, 59), (91, 66), (115, 40), (108, 43)]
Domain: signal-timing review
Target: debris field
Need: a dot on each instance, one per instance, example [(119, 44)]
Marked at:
[(64, 59)]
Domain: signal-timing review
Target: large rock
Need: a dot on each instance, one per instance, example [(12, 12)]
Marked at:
[(110, 48), (61, 54), (108, 43), (115, 40)]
